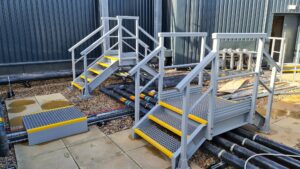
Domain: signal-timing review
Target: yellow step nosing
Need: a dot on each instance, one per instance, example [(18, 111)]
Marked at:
[(94, 71), (88, 79), (103, 64), (111, 58), (179, 111), (76, 85), (154, 143), (165, 125), (63, 123)]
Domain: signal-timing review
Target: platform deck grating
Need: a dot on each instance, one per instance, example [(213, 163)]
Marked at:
[(165, 139), (50, 117)]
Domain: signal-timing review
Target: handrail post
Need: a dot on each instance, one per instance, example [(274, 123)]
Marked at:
[(161, 70), (184, 123), (73, 64), (202, 53), (106, 42), (214, 85), (137, 97), (259, 56), (86, 92), (137, 40), (120, 39)]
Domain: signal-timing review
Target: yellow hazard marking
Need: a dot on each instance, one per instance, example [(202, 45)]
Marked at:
[(142, 96), (103, 64), (54, 125), (111, 58), (165, 125), (122, 99), (154, 143), (290, 71), (76, 85), (132, 97), (95, 71), (179, 111), (151, 93), (1, 120), (88, 79)]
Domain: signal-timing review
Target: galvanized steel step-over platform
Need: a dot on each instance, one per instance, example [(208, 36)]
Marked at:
[(126, 52), (186, 116), (54, 124)]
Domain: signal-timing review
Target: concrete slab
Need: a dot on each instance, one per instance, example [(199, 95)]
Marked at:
[(290, 124), (52, 101), (117, 161), (125, 141), (23, 150), (283, 135), (93, 152), (149, 158), (59, 159), (93, 133)]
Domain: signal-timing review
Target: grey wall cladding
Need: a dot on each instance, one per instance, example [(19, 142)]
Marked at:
[(43, 30)]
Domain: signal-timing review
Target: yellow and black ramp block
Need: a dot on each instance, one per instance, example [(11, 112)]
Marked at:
[(54, 124)]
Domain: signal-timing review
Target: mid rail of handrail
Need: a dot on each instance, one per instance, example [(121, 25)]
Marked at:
[(148, 35), (145, 60), (238, 35), (97, 42), (131, 34), (181, 34), (195, 72), (86, 38), (237, 75)]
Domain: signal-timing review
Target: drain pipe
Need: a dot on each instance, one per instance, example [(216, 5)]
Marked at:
[(226, 156), (246, 153), (4, 148), (145, 104), (130, 89), (107, 116), (267, 142), (122, 99), (287, 161)]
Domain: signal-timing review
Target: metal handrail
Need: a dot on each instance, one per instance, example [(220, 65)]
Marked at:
[(148, 35), (131, 34), (271, 61), (190, 76), (145, 60), (86, 38), (133, 47), (97, 42)]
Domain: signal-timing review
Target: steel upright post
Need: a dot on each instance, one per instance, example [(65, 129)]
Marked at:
[(202, 54), (161, 67), (260, 49), (120, 40), (86, 92), (73, 64), (183, 163)]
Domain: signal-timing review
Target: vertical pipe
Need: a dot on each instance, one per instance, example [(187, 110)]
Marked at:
[(157, 17), (202, 53), (73, 64), (137, 40), (184, 125), (105, 22), (259, 56), (249, 61), (161, 68)]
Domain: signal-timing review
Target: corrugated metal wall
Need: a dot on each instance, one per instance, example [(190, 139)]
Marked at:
[(43, 30)]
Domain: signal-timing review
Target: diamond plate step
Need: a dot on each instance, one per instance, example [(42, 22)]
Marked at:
[(171, 123), (165, 142)]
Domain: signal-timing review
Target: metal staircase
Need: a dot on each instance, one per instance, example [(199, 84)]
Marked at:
[(188, 115), (114, 55)]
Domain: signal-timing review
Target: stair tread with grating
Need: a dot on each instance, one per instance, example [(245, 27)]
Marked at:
[(164, 138), (51, 117), (175, 122)]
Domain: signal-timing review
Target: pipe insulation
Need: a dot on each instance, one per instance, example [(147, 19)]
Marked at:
[(258, 148)]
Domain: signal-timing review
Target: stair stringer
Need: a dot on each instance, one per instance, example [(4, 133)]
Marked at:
[(104, 75), (195, 141)]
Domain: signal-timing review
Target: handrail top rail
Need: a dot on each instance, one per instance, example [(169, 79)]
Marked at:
[(190, 76), (145, 60), (238, 35), (131, 34), (128, 17), (271, 61), (276, 38), (109, 18), (86, 38), (182, 34), (148, 35), (91, 47)]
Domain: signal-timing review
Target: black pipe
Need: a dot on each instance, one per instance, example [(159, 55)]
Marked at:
[(123, 100), (130, 89), (16, 78), (246, 153), (4, 148), (267, 142), (145, 104), (258, 148), (226, 156), (107, 116)]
